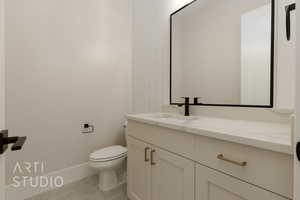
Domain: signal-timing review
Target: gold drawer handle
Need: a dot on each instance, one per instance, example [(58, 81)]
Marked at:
[(146, 154), (152, 159), (221, 157)]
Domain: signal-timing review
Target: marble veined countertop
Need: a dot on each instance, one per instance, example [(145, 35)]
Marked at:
[(264, 135)]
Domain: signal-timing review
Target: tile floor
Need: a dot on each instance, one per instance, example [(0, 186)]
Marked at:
[(85, 189)]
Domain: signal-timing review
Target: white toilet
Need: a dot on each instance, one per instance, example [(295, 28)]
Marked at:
[(110, 163)]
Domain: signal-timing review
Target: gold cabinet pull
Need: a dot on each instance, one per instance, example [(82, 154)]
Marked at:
[(152, 162), (221, 157), (146, 154)]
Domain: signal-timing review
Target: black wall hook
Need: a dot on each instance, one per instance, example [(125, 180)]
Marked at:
[(288, 10)]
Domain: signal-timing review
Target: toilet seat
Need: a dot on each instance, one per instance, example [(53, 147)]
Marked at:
[(108, 154)]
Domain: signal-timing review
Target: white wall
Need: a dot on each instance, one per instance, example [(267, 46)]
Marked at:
[(68, 62), (297, 124), (2, 67), (255, 56), (285, 62), (2, 98), (178, 89), (151, 53), (212, 60)]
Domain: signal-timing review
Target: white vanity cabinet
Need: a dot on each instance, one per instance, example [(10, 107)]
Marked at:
[(214, 185), (173, 177), (172, 164), (156, 174), (139, 170)]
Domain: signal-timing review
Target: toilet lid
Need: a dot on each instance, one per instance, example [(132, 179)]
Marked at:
[(107, 153)]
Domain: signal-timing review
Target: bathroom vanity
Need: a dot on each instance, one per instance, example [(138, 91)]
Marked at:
[(172, 157), (222, 53)]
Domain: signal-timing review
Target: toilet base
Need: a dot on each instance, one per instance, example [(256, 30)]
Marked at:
[(108, 180), (119, 193)]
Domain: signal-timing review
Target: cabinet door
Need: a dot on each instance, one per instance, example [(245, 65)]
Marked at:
[(214, 185), (139, 177), (172, 176)]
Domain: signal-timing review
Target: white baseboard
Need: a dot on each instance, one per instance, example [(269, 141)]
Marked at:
[(69, 175)]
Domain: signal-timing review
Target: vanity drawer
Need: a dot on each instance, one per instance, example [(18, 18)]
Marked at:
[(270, 170), (178, 142)]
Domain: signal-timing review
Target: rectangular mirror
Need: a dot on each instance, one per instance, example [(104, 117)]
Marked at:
[(222, 51)]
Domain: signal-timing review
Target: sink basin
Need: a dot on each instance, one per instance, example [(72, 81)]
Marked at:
[(168, 116), (160, 115)]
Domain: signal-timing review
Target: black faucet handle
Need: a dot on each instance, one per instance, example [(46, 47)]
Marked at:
[(196, 100), (186, 99)]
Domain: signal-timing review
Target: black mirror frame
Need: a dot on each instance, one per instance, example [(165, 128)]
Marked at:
[(271, 105)]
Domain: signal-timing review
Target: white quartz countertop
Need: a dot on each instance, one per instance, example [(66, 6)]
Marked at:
[(264, 135)]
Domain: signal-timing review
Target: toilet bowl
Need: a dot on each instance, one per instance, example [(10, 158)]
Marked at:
[(110, 164)]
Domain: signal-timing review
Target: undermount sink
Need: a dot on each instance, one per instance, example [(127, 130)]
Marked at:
[(160, 115), (169, 116)]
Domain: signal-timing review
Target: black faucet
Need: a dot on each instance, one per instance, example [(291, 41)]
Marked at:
[(187, 104)]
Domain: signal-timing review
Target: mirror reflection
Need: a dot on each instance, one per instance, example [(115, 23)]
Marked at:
[(221, 51)]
